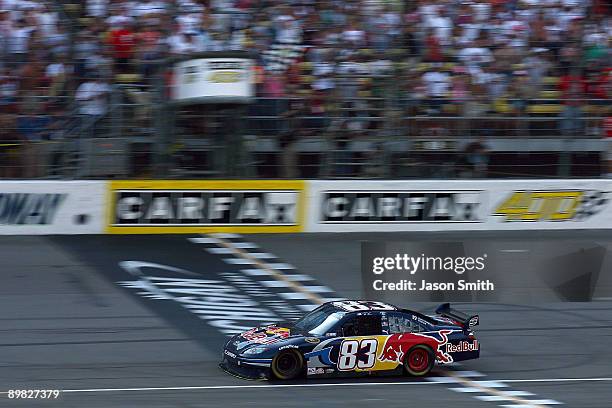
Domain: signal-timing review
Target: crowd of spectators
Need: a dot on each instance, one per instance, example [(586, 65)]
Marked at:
[(431, 57), (34, 72)]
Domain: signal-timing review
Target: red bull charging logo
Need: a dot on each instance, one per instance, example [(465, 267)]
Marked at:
[(397, 345)]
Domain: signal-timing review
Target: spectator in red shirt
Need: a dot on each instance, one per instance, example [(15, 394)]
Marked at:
[(573, 88), (607, 126), (433, 49), (597, 83), (122, 42)]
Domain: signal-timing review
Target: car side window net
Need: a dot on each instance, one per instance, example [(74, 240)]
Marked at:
[(369, 325), (403, 323), (349, 328)]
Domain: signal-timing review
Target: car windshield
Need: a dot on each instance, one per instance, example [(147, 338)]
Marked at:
[(319, 321)]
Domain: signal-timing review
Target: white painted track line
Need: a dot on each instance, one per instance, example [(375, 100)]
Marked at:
[(536, 380), (321, 385), (237, 387)]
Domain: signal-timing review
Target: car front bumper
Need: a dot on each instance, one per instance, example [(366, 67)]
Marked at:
[(251, 368)]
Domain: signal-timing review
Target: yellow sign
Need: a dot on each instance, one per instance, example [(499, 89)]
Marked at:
[(224, 77), (540, 205), (196, 206)]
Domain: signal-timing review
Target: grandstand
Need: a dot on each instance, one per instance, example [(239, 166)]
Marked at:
[(344, 88)]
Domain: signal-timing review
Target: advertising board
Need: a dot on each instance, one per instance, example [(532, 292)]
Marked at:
[(213, 80), (447, 205), (51, 207), (183, 206)]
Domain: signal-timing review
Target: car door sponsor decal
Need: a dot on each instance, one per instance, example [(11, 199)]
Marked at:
[(353, 353)]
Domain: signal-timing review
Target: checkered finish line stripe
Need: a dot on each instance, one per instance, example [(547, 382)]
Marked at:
[(291, 291), (477, 386)]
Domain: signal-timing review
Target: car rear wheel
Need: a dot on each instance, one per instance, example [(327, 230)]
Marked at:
[(287, 365), (419, 360)]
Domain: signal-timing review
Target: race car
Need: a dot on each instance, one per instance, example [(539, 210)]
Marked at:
[(353, 338)]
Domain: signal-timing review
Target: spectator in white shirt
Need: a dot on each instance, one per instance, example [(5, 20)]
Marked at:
[(354, 36), (428, 11), (183, 43), (47, 20), (537, 68), (475, 56), (437, 85), (482, 10), (19, 41), (97, 8), (189, 21), (55, 74), (288, 30), (119, 16), (55, 70), (149, 8), (92, 96), (58, 41), (442, 25)]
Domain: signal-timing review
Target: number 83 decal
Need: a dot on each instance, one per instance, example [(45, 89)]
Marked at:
[(359, 354)]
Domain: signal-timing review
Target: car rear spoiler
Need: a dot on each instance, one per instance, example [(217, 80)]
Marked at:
[(466, 321)]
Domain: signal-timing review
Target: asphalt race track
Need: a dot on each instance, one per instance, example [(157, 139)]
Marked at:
[(112, 322)]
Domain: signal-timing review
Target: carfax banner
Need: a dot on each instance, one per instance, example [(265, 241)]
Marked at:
[(447, 205), (183, 206), (51, 207)]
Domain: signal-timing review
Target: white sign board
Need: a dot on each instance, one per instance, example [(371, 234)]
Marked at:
[(51, 207), (451, 205), (213, 80)]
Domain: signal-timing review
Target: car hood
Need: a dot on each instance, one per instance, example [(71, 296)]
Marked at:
[(264, 335)]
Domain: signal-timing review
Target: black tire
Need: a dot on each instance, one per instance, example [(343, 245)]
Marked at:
[(287, 365), (419, 360)]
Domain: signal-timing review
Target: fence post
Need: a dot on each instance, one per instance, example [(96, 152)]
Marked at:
[(565, 158), (236, 152), (164, 123)]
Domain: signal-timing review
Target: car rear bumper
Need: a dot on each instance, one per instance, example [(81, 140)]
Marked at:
[(466, 355)]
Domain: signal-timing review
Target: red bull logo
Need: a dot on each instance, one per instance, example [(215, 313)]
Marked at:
[(253, 334), (397, 345), (267, 335), (462, 346), (280, 331), (395, 348)]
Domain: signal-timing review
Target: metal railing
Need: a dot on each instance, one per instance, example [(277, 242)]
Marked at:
[(350, 137)]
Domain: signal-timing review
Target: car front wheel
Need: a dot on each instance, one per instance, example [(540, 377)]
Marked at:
[(287, 365)]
